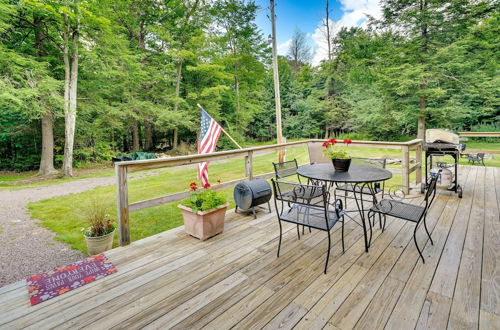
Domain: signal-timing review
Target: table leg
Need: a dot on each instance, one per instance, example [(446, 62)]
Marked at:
[(361, 209)]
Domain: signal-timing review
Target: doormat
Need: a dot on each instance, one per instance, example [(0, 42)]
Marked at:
[(66, 278)]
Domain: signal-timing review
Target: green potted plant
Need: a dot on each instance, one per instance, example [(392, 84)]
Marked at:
[(203, 212), (339, 156), (99, 235)]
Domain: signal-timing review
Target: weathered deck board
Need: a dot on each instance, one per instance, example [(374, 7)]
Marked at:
[(465, 305), (171, 280)]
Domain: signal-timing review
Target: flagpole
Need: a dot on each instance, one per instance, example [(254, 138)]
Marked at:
[(277, 98), (223, 130)]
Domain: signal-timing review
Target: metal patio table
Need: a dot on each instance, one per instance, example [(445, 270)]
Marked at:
[(362, 177)]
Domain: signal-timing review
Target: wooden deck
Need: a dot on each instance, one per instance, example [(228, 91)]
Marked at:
[(235, 280)]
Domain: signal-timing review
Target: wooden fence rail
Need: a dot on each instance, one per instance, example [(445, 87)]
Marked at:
[(123, 168), (479, 134)]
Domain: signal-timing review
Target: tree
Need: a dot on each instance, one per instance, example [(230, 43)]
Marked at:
[(299, 51), (427, 26), (241, 48), (328, 32)]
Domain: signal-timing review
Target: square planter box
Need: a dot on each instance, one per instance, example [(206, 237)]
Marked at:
[(204, 224)]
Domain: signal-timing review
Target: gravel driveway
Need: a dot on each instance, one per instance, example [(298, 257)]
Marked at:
[(26, 248)]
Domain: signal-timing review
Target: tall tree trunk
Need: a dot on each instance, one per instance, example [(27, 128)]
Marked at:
[(47, 122), (175, 142), (178, 80), (47, 160), (135, 136), (328, 37), (237, 90), (423, 86), (421, 118), (148, 135), (71, 42)]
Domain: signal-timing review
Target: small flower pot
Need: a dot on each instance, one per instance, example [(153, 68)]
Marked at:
[(204, 224), (99, 244), (341, 165)]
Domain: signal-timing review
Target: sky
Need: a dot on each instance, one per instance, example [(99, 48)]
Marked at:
[(308, 16)]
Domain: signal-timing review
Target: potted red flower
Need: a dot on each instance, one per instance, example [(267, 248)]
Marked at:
[(339, 156), (99, 235), (204, 212)]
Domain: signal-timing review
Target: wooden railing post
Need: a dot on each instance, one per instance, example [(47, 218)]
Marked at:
[(248, 165), (122, 204), (418, 159), (406, 168)]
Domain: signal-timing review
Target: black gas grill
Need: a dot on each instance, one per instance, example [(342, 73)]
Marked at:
[(439, 148)]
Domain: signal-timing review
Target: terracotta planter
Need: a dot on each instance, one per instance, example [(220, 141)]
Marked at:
[(341, 165), (204, 224), (96, 245)]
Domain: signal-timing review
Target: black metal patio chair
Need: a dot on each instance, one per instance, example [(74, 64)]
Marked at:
[(296, 208), (477, 158), (288, 169), (406, 211)]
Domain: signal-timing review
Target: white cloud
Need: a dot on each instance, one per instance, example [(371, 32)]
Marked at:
[(355, 14), (283, 47)]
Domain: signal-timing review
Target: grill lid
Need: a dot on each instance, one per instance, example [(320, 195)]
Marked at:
[(441, 136)]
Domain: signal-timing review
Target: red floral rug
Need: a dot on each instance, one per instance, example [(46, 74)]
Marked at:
[(66, 278)]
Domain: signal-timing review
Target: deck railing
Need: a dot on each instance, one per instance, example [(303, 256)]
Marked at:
[(480, 134), (123, 168)]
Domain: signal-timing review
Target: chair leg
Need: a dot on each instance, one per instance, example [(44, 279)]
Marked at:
[(371, 232), (416, 244), (385, 221), (380, 221), (343, 221), (298, 231), (328, 252), (279, 244), (427, 230)]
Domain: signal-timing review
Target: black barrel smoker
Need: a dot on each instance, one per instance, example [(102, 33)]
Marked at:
[(251, 194), (439, 142)]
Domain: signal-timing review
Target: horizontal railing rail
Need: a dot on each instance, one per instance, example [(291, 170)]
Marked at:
[(479, 134), (123, 168)]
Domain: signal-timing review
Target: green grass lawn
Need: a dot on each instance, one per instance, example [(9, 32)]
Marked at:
[(65, 215), (16, 181)]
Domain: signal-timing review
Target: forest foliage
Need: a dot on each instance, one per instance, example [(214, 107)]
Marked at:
[(139, 67)]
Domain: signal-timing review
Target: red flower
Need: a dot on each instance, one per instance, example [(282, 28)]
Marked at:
[(109, 226), (326, 143), (206, 185), (347, 141), (333, 141), (192, 184), (218, 181)]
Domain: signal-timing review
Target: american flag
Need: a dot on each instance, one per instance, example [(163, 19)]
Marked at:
[(209, 134)]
